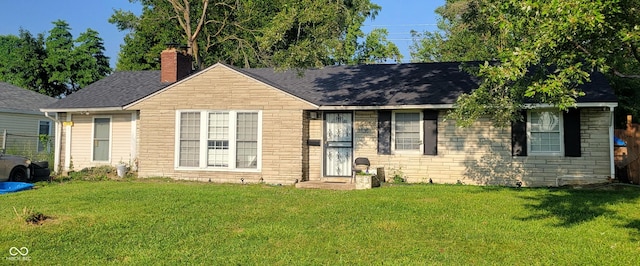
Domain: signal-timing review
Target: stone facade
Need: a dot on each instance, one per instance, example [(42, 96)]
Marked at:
[(481, 154), (221, 88)]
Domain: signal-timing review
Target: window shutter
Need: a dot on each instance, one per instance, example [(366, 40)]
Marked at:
[(384, 132), (519, 136), (572, 146), (430, 128)]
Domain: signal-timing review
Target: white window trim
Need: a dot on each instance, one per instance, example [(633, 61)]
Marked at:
[(560, 126), (48, 148), (393, 133), (204, 127), (93, 129)]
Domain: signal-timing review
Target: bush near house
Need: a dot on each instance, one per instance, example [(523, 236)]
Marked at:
[(161, 221)]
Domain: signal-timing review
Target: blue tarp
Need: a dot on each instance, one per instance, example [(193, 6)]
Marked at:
[(7, 187), (618, 142)]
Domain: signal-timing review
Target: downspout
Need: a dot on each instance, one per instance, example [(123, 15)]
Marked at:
[(58, 142), (611, 135)]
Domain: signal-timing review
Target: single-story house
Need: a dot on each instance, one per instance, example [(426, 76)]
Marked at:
[(226, 124), (21, 121)]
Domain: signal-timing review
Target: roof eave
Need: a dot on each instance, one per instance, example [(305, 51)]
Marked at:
[(81, 109), (448, 106), (26, 112), (579, 105)]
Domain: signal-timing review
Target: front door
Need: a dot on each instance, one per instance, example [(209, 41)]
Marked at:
[(338, 145)]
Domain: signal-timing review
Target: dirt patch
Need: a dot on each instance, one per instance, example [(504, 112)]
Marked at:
[(36, 218)]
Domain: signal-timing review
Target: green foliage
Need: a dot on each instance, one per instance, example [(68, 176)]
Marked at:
[(455, 40), (91, 64), (22, 63), (98, 173), (59, 47), (250, 33), (377, 49), (54, 65), (398, 175), (157, 222), (545, 50)]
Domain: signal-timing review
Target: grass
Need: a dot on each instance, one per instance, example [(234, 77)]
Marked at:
[(158, 221)]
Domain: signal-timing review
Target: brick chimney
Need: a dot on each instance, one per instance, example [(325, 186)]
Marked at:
[(174, 65)]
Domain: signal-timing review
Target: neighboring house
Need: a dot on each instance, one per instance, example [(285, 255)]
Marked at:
[(21, 119), (225, 124)]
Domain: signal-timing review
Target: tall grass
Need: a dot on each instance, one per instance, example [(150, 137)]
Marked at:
[(166, 222)]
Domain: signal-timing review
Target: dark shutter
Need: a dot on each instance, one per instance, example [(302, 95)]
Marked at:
[(572, 141), (384, 132), (430, 138), (519, 136)]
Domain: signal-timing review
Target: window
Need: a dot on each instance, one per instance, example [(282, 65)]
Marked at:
[(101, 138), (44, 134), (247, 140), (189, 139), (218, 142), (219, 139), (545, 132), (394, 136), (407, 135)]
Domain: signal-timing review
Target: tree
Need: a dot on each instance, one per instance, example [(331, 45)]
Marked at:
[(377, 49), (22, 62), (454, 40), (59, 62), (53, 65), (246, 33), (90, 62), (544, 50)]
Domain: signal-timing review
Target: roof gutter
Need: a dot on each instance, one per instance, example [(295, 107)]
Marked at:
[(448, 106), (82, 110)]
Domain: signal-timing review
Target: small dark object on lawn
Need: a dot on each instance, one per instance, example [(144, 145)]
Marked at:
[(519, 184), (36, 218), (430, 181)]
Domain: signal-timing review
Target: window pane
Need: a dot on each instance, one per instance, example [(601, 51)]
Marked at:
[(545, 131), (247, 140), (544, 121), (407, 141), (189, 153), (219, 125), (218, 142), (247, 152), (189, 139), (247, 126), (407, 131), (44, 129), (101, 129), (545, 142)]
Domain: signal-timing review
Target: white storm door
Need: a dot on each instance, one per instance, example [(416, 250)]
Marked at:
[(338, 148)]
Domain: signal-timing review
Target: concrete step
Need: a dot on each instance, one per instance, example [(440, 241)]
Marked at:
[(326, 185)]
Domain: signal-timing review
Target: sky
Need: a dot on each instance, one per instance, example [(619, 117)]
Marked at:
[(399, 17)]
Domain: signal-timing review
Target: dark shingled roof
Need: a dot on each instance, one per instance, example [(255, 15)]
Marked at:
[(13, 98), (397, 84), (362, 85), (115, 90)]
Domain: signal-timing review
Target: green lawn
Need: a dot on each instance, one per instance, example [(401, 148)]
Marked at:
[(147, 222)]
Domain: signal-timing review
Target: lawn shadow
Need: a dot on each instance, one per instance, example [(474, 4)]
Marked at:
[(572, 206), (635, 225)]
